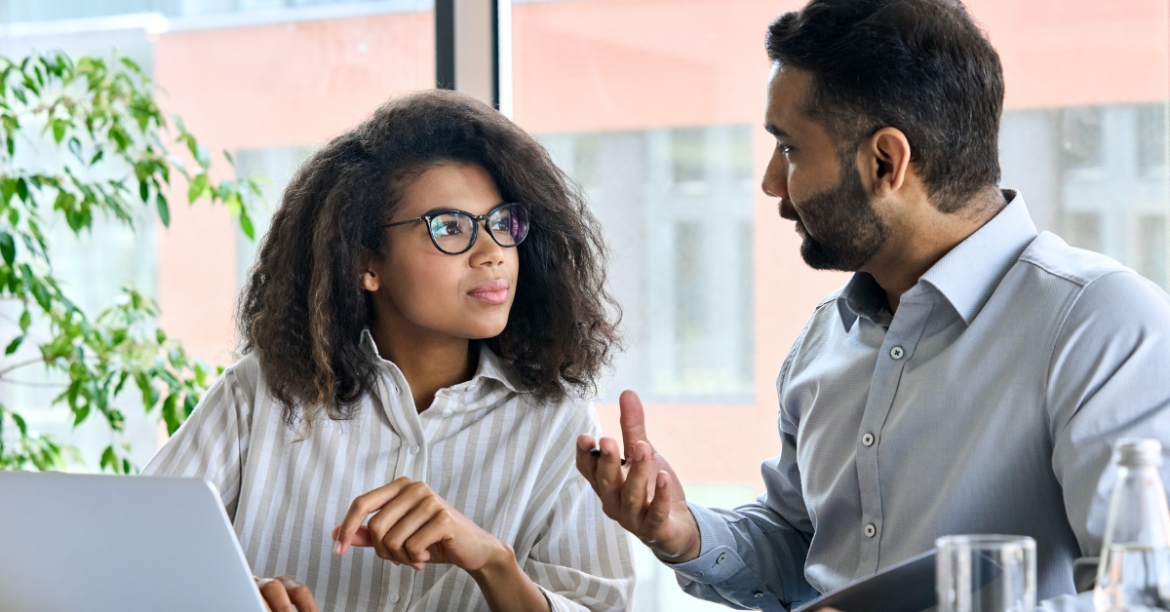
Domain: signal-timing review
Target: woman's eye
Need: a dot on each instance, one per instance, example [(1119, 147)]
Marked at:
[(446, 228)]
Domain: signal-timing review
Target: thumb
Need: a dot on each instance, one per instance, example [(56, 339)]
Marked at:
[(633, 421), (360, 538)]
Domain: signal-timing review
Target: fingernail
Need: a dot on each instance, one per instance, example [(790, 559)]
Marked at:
[(638, 454), (337, 548)]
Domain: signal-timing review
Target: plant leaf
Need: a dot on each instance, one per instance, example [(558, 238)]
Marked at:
[(7, 247)]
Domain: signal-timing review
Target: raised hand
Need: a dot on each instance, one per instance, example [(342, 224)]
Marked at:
[(644, 496), (412, 526)]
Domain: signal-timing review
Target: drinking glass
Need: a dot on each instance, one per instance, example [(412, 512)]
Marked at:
[(986, 573)]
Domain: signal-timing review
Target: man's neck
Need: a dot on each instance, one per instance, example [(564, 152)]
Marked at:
[(921, 241), (428, 361)]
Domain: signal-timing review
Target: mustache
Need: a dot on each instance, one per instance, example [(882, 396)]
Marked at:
[(788, 210)]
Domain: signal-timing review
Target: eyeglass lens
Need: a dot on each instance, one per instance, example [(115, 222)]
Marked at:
[(453, 231)]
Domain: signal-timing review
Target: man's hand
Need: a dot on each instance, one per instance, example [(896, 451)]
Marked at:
[(644, 496), (283, 594), (412, 525)]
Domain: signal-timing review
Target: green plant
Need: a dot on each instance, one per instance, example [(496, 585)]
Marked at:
[(101, 117)]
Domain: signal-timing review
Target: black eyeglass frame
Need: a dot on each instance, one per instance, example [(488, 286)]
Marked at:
[(474, 226)]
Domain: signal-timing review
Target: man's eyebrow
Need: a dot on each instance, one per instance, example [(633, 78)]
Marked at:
[(775, 130)]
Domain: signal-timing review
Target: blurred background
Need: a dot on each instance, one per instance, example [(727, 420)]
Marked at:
[(655, 107)]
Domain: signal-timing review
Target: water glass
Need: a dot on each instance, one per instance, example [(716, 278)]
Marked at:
[(986, 573)]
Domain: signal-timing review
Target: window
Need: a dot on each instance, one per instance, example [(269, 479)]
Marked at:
[(277, 165), (675, 205), (264, 78)]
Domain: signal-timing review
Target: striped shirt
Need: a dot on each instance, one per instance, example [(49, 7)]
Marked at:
[(503, 459)]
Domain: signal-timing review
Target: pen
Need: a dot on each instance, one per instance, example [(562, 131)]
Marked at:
[(596, 452)]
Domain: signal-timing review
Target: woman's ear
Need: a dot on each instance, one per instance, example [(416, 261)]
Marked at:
[(369, 280)]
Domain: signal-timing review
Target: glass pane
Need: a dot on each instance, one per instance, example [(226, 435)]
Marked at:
[(264, 80)]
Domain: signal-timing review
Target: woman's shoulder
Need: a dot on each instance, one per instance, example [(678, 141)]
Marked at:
[(241, 381), (571, 414)]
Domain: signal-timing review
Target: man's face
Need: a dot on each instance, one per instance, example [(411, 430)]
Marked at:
[(819, 188)]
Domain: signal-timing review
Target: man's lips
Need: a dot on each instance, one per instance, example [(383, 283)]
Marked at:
[(788, 211), (492, 292)]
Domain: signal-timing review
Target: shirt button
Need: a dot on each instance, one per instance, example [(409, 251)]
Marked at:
[(897, 352), (721, 558), (448, 412), (867, 440), (414, 449), (758, 594), (870, 530), (394, 598)]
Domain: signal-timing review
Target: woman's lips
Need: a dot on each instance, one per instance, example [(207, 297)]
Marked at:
[(492, 292)]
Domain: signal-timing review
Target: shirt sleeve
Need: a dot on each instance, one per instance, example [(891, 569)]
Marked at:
[(583, 561), (211, 442), (753, 557), (1107, 380), (580, 558)]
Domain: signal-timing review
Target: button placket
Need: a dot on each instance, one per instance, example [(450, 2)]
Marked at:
[(896, 350)]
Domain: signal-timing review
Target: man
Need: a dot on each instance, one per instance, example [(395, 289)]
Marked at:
[(971, 377)]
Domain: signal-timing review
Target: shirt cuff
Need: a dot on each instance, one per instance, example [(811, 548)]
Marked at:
[(718, 559)]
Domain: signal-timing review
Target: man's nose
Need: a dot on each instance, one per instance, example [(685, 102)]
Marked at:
[(775, 181)]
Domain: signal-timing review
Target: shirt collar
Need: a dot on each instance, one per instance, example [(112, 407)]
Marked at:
[(966, 276), (490, 366)]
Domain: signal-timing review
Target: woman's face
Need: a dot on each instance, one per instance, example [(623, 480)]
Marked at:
[(418, 288)]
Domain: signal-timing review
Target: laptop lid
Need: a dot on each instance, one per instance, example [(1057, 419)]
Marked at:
[(96, 542)]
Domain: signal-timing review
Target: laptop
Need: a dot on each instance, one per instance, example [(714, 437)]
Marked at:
[(72, 542)]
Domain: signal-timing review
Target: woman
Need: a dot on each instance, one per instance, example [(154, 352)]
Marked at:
[(421, 329)]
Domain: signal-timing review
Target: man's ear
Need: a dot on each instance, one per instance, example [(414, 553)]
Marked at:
[(884, 159)]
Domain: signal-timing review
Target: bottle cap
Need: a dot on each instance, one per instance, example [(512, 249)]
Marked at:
[(1136, 452)]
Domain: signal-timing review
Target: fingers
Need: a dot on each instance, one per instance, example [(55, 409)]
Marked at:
[(361, 537), (659, 511), (396, 538), (284, 594), (433, 532), (633, 420), (609, 477), (363, 506), (391, 514), (634, 492), (299, 594)]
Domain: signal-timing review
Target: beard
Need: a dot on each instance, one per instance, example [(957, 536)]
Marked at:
[(842, 231)]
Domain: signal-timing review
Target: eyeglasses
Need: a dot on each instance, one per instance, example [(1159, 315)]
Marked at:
[(454, 231)]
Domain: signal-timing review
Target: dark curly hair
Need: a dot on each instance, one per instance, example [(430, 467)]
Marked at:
[(922, 66), (303, 309)]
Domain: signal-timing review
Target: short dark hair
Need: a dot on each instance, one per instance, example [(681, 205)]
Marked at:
[(303, 309), (921, 66)]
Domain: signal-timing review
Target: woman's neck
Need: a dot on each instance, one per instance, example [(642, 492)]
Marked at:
[(429, 362)]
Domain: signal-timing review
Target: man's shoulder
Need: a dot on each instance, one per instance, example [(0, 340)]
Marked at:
[(1055, 258), (1091, 283)]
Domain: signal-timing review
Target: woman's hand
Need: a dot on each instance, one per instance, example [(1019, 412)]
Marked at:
[(283, 594), (412, 526)]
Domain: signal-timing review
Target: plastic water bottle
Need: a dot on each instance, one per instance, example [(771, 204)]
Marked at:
[(1134, 572)]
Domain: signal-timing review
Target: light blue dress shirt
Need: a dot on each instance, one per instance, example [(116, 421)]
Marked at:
[(988, 404)]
